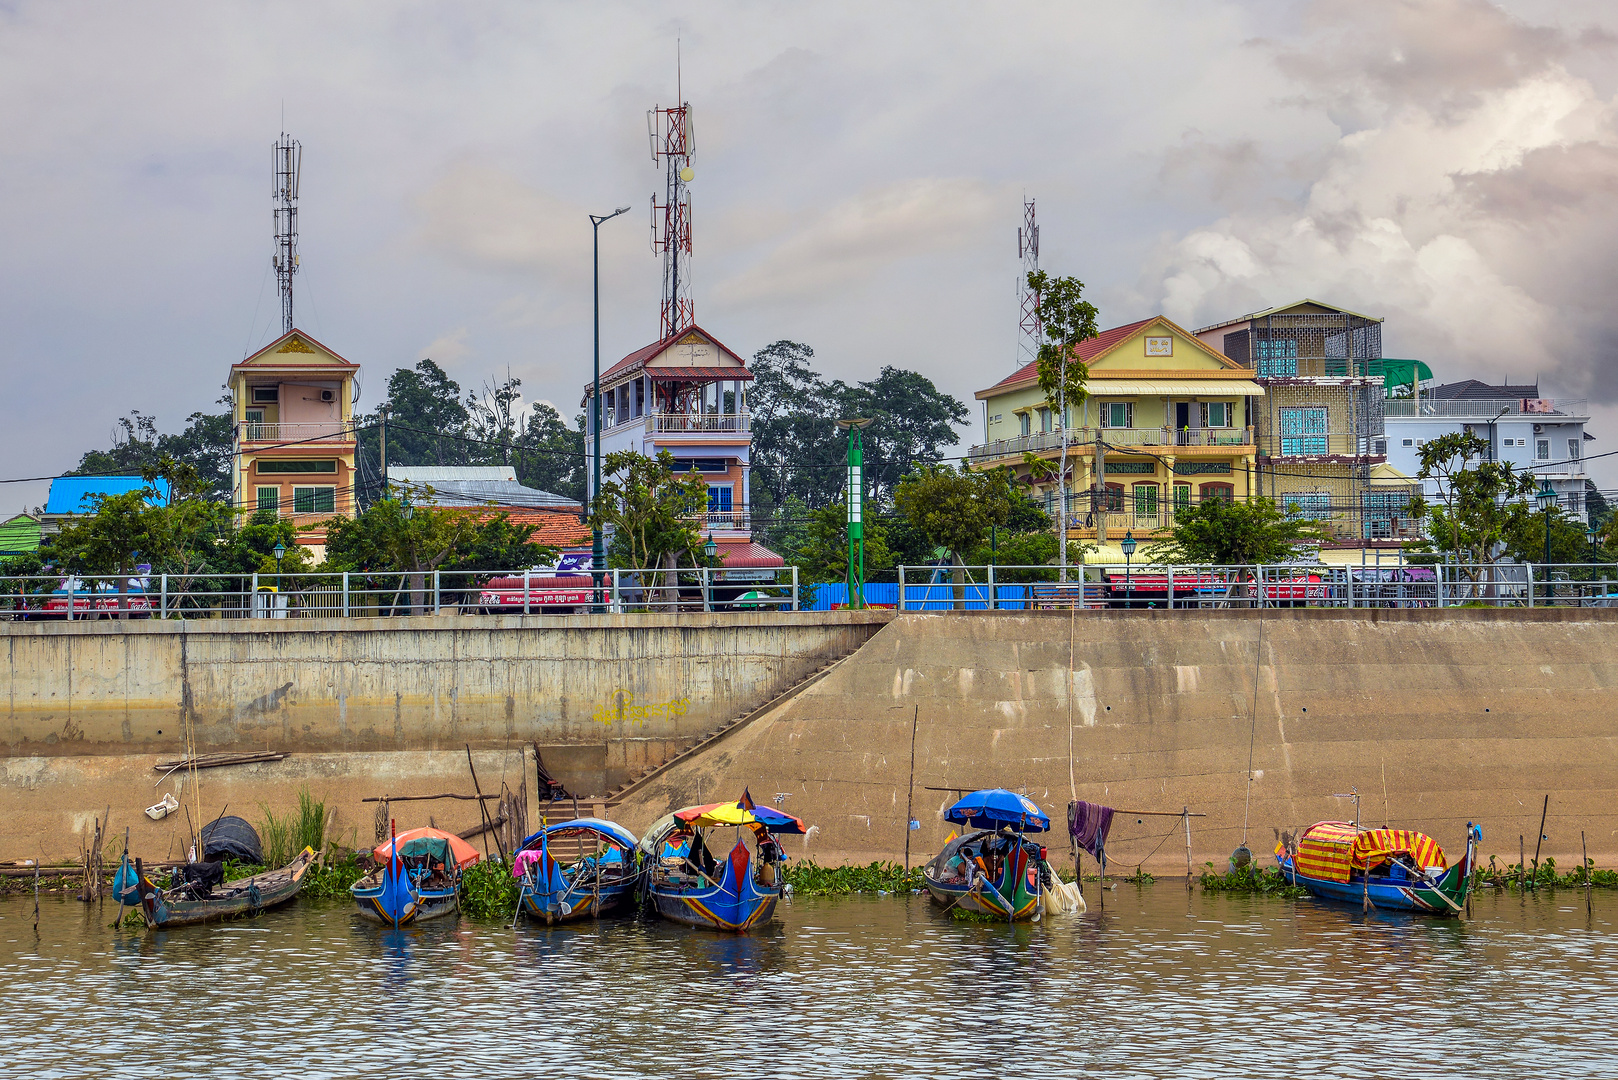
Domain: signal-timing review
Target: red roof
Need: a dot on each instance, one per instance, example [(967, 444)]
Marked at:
[(640, 356), (697, 374), (747, 555), (1088, 349), (553, 528)]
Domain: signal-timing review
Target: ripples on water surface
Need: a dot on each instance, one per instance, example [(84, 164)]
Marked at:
[(1159, 985)]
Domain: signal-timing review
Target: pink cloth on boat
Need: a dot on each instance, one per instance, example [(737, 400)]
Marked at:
[(525, 859)]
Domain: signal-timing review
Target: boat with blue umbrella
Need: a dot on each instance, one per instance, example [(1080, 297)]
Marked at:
[(576, 869), (736, 892), (993, 869), (1397, 869), (417, 877)]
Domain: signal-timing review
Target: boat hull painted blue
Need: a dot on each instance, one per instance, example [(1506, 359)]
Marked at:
[(429, 904), (1397, 894), (552, 907)]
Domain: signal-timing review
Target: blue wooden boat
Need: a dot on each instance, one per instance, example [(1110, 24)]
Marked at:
[(995, 870), (737, 892), (576, 870), (418, 877), (1397, 869)]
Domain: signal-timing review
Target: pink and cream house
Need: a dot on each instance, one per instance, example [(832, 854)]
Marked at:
[(294, 438)]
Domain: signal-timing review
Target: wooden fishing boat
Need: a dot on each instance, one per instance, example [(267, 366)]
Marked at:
[(738, 892), (994, 870), (577, 870), (1001, 874), (418, 877), (1399, 869), (186, 903)]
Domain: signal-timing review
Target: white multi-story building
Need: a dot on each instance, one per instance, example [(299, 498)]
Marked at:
[(1539, 436)]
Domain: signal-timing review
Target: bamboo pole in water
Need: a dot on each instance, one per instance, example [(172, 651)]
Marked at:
[(910, 792), (1584, 850), (1543, 811)]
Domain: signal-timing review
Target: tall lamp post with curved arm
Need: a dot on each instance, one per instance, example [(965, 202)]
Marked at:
[(597, 555)]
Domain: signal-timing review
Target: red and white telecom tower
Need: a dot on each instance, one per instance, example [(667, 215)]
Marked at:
[(672, 144)]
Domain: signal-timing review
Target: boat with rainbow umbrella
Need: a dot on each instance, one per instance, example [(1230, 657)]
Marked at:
[(417, 877), (1400, 869), (737, 892), (993, 869), (576, 869)]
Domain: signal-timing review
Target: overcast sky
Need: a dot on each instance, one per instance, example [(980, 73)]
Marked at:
[(1451, 165)]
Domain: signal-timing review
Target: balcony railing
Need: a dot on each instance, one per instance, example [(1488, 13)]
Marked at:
[(727, 520), (1484, 409), (250, 431), (698, 423), (1165, 437), (1329, 444)]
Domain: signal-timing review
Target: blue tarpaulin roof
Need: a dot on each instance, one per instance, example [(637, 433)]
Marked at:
[(71, 494)]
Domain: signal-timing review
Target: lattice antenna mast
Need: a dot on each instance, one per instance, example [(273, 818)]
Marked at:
[(1029, 328), (672, 144), (287, 160)]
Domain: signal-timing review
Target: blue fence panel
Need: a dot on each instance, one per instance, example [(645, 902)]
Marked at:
[(835, 594)]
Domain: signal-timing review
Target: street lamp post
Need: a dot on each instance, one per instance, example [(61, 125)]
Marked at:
[(1591, 530), (1128, 545), (1547, 500), (597, 555), (709, 549), (1492, 455), (279, 551), (854, 578)]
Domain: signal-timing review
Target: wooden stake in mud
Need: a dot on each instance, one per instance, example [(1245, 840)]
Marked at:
[(1522, 864), (1543, 811), (1584, 850), (487, 822), (910, 794), (1186, 815), (36, 893)]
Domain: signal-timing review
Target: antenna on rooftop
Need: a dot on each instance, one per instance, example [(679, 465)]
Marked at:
[(669, 131), (1028, 331), (287, 163)]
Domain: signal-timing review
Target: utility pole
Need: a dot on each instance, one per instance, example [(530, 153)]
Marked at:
[(1061, 475), (1101, 489), (382, 428), (598, 558), (855, 578)]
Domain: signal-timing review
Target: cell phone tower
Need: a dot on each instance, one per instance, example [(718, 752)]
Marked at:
[(287, 162), (672, 144), (1029, 329)]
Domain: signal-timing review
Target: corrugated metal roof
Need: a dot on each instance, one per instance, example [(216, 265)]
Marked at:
[(19, 534), (496, 493), (434, 474), (71, 494), (747, 555)]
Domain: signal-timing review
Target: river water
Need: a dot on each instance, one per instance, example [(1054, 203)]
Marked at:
[(1161, 984)]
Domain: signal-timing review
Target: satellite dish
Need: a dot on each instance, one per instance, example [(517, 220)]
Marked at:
[(687, 174)]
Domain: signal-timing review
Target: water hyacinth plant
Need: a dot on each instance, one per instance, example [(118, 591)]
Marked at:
[(809, 878)]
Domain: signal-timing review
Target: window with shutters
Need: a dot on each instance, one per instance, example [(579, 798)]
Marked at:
[(314, 500), (1117, 414)]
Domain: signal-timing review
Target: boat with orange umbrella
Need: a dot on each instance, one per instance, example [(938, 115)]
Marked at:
[(418, 877), (737, 892)]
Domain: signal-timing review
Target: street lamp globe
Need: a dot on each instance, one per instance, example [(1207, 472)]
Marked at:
[(1546, 496), (1128, 544), (710, 547), (280, 550)]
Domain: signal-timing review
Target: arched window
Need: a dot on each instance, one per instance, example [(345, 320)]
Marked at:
[(1113, 499), (1146, 501)]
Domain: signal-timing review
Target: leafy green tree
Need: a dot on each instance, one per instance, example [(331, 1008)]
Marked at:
[(205, 445), (823, 555), (425, 416), (1476, 503), (1230, 533), (653, 511), (550, 455), (1065, 319), (112, 540), (955, 509)]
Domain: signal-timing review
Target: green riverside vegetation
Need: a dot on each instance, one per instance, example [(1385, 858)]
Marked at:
[(809, 878)]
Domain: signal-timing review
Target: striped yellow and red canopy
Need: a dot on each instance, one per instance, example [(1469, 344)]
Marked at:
[(1332, 849)]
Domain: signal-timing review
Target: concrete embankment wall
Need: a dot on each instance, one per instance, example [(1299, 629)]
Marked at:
[(1437, 718), (369, 708)]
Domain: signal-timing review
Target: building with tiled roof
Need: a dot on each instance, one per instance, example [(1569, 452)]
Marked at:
[(1167, 422), (687, 394)]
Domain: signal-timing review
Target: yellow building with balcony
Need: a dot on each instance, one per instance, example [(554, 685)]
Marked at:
[(1168, 422), (292, 404)]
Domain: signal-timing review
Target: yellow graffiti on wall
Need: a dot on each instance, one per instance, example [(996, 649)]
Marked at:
[(621, 708)]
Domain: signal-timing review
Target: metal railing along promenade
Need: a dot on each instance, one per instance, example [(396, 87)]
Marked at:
[(380, 595), (1179, 588)]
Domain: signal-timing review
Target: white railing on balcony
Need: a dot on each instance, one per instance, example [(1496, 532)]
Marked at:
[(323, 431), (1484, 408), (698, 423), (1135, 436), (727, 520)]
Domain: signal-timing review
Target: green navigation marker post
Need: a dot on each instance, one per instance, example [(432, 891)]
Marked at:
[(855, 579)]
